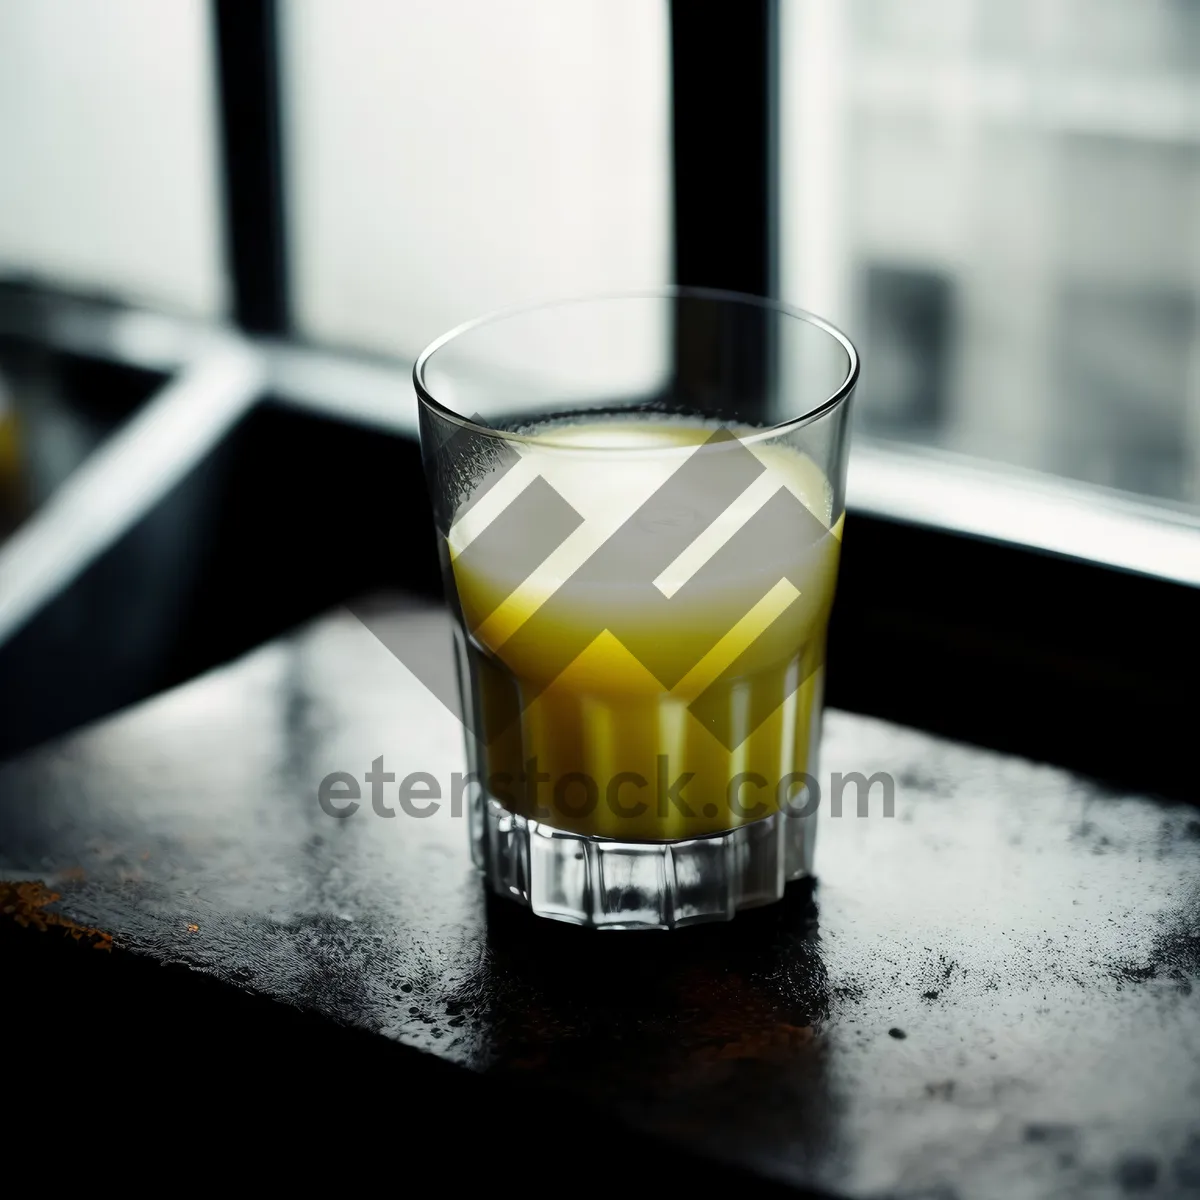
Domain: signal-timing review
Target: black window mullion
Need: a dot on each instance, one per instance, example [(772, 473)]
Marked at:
[(724, 131), (248, 88)]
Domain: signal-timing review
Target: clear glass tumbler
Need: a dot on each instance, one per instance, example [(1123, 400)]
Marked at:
[(639, 502)]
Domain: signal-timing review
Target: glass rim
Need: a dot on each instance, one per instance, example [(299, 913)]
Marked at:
[(759, 433)]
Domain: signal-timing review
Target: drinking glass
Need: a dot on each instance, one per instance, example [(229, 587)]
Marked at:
[(639, 504)]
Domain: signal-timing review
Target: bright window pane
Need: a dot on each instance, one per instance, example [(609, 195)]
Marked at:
[(107, 135), (449, 157), (1001, 201)]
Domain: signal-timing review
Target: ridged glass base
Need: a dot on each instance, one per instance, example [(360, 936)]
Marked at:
[(606, 884)]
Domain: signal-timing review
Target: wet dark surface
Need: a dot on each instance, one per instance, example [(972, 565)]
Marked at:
[(992, 993)]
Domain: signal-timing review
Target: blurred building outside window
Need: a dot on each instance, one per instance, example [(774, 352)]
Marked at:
[(1002, 201)]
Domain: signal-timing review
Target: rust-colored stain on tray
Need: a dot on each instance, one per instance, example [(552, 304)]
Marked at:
[(26, 903)]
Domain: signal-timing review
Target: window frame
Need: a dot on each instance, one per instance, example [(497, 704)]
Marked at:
[(1029, 614)]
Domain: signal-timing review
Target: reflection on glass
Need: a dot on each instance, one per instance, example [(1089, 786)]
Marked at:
[(1002, 200)]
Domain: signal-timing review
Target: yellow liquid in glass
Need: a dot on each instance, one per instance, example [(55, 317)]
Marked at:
[(593, 741)]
